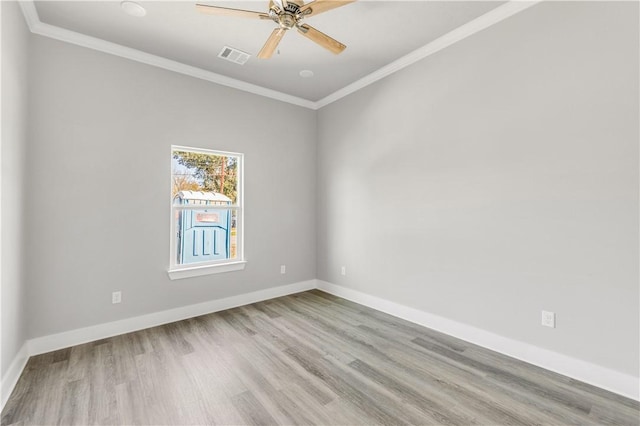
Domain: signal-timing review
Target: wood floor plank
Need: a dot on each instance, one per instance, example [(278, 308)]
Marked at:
[(308, 358), (251, 410), (498, 416)]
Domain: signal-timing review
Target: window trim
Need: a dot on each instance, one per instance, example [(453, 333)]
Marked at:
[(176, 271), (177, 274)]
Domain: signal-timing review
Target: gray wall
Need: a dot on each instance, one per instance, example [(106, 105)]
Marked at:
[(99, 186), (490, 181), (498, 178), (15, 42)]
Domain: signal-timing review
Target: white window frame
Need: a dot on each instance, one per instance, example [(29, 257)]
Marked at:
[(177, 271)]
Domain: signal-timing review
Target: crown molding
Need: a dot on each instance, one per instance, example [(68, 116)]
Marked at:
[(490, 18), (38, 27), (30, 13)]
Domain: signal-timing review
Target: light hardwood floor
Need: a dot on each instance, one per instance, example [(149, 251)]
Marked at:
[(309, 358)]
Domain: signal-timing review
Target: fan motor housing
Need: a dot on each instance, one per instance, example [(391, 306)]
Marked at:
[(288, 17), (293, 7), (286, 20)]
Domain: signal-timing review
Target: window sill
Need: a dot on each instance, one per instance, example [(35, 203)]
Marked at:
[(177, 274)]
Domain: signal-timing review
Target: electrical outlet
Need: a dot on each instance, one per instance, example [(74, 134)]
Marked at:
[(283, 269), (549, 319), (343, 270), (116, 297)]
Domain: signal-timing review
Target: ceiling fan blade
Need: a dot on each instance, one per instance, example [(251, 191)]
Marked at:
[(271, 44), (281, 3), (318, 6), (321, 38), (225, 11)]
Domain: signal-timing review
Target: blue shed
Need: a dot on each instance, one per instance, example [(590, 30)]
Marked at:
[(203, 234)]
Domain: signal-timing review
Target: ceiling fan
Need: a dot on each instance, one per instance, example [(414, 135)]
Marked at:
[(287, 14)]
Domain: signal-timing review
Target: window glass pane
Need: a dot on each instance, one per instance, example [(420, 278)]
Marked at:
[(205, 235), (205, 172), (206, 186)]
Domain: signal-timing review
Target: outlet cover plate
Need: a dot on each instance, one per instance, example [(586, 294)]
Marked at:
[(549, 319)]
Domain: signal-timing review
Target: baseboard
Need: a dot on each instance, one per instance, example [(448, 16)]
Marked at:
[(596, 375), (89, 334), (12, 375), (602, 377), (79, 336)]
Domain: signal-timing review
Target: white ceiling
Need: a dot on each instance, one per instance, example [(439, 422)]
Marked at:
[(376, 34)]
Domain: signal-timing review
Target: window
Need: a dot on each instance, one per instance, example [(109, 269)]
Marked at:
[(206, 212)]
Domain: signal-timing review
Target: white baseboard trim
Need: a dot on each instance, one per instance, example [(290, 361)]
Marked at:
[(602, 377), (12, 375), (79, 336), (596, 375), (54, 342)]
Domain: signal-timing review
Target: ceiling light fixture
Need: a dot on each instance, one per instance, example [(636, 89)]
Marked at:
[(306, 73), (133, 8), (287, 14)]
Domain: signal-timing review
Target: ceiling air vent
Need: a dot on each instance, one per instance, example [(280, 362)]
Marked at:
[(234, 55)]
